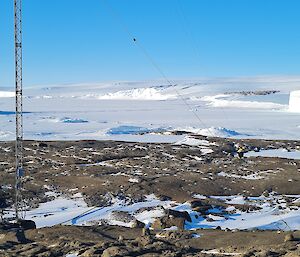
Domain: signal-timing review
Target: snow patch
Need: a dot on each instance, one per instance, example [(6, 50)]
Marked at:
[(74, 211), (294, 103), (249, 176), (149, 94), (211, 132), (133, 180), (218, 132), (221, 100), (217, 252), (273, 212), (187, 140), (72, 255), (279, 153)]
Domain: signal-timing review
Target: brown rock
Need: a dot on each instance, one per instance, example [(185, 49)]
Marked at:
[(292, 254), (145, 232), (138, 224), (144, 240), (115, 251), (179, 214), (167, 222), (172, 218), (94, 251), (158, 224), (249, 253), (16, 236), (202, 209), (289, 237)]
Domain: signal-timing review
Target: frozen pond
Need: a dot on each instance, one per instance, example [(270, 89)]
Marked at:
[(280, 153)]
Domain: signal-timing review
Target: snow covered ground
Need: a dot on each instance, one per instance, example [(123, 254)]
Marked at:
[(74, 211), (125, 110), (272, 212), (275, 213)]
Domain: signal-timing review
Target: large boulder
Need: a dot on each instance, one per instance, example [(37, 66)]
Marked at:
[(172, 219), (13, 236), (27, 224), (200, 206), (115, 251), (179, 214)]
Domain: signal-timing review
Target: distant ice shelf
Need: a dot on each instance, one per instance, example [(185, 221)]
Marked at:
[(132, 111)]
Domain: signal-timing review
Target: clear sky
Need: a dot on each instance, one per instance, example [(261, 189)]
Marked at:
[(75, 41)]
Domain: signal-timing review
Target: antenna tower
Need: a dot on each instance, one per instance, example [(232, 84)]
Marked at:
[(19, 108)]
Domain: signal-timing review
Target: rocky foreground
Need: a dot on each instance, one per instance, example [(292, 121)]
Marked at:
[(104, 170), (109, 241)]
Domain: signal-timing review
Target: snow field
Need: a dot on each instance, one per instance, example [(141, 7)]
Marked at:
[(232, 107), (272, 212)]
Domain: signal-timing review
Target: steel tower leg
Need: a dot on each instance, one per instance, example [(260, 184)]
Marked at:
[(19, 107)]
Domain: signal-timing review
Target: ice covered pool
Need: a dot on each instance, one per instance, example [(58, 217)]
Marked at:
[(281, 153)]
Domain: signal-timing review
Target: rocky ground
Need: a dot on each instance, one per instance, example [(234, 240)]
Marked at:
[(108, 241), (137, 169), (133, 170)]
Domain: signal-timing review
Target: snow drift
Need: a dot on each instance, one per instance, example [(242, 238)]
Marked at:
[(225, 101), (137, 94), (218, 132), (294, 104), (212, 131)]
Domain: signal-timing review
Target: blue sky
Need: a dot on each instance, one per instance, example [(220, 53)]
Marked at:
[(75, 41)]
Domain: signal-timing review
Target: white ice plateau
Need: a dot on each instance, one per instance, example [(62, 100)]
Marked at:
[(146, 111)]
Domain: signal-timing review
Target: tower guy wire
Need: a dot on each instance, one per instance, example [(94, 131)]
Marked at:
[(151, 60)]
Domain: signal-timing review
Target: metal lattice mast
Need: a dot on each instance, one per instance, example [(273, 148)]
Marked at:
[(19, 106)]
